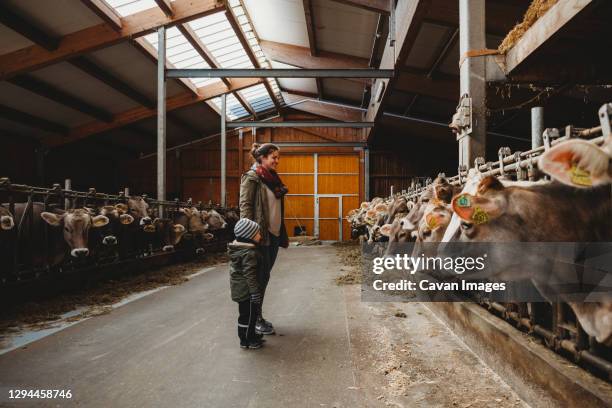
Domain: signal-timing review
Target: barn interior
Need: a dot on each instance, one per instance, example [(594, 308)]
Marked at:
[(89, 100)]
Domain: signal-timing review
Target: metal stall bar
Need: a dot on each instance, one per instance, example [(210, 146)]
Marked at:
[(293, 124), (537, 126), (161, 117), (278, 73), (223, 149)]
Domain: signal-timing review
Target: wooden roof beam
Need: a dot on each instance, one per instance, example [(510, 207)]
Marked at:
[(130, 116), (409, 16), (377, 6), (104, 35), (300, 57), (26, 119), (27, 29), (105, 12), (50, 92), (166, 7)]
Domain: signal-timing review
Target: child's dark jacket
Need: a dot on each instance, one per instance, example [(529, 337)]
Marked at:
[(245, 260)]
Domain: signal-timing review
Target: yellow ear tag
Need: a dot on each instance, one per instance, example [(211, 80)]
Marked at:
[(432, 221), (579, 176), (480, 216)]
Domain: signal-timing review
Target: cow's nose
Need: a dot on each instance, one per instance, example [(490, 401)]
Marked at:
[(199, 251), (224, 225), (168, 248), (79, 252), (109, 240), (145, 221)]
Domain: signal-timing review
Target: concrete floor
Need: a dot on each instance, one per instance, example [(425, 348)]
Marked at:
[(178, 347)]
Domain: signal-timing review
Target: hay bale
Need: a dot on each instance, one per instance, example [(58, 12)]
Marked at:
[(536, 10)]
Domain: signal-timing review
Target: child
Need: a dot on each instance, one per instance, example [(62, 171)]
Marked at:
[(245, 260)]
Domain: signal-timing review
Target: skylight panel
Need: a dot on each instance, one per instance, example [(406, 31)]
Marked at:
[(235, 110), (129, 7)]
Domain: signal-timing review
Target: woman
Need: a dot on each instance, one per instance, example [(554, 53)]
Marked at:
[(262, 200)]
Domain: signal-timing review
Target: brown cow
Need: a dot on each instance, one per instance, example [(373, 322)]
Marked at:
[(541, 213), (7, 221), (214, 220)]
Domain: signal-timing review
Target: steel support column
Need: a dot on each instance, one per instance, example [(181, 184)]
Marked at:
[(223, 150), (366, 176), (161, 117), (472, 77), (537, 126)]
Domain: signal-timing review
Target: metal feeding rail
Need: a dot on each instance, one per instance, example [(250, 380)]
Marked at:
[(522, 163)]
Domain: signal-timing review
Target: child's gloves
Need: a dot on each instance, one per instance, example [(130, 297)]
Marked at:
[(256, 297)]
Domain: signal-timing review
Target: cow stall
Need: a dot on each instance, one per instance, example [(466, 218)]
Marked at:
[(105, 231), (562, 326)]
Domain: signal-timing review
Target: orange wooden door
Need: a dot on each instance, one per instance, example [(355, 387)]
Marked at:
[(336, 187), (339, 174), (329, 218), (297, 172)]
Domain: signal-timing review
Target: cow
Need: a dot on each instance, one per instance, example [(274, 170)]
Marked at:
[(139, 209), (112, 237), (167, 233), (214, 220), (69, 233), (550, 212), (195, 227)]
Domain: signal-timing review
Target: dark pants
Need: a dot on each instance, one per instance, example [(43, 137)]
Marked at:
[(248, 314), (269, 254)]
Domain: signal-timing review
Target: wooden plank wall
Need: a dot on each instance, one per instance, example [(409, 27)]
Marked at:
[(195, 173)]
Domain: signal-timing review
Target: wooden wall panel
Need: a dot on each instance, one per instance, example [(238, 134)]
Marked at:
[(299, 206), (338, 163), (328, 230), (291, 223), (338, 184)]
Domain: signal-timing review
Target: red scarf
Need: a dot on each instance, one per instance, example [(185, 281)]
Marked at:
[(270, 178)]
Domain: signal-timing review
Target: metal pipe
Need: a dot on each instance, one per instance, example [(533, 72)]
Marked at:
[(67, 186), (298, 124), (278, 73), (537, 126), (161, 117), (366, 165), (223, 148), (472, 75)]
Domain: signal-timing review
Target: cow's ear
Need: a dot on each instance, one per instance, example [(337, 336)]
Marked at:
[(126, 219), (365, 205), (386, 230), (476, 209), (179, 229), (381, 208), (52, 219), (99, 221), (577, 163)]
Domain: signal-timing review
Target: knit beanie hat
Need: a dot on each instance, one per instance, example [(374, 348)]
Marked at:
[(246, 229)]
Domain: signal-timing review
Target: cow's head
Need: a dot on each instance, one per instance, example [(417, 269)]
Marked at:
[(168, 232), (214, 220), (118, 218), (139, 209), (76, 224), (579, 163), (7, 221), (195, 222), (436, 217), (484, 216)]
